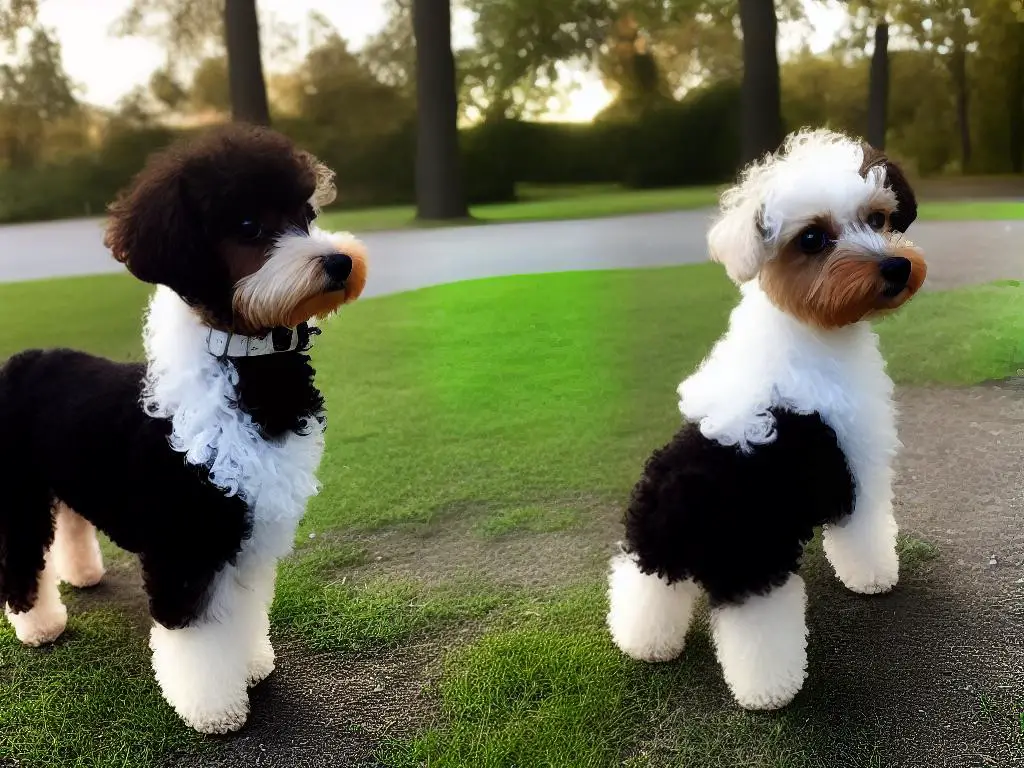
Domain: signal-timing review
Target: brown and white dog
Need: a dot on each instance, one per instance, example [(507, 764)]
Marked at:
[(789, 422)]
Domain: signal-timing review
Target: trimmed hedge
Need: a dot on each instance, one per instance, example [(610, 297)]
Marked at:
[(694, 141)]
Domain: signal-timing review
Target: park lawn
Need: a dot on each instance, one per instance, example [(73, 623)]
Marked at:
[(477, 411), (587, 201), (973, 210)]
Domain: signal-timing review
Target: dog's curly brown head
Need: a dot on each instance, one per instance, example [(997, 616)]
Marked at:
[(226, 221)]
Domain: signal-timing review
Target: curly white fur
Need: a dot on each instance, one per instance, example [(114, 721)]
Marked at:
[(196, 391), (648, 617)]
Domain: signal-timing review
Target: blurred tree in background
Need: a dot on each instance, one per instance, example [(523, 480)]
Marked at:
[(439, 186), (246, 85), (762, 97), (938, 82)]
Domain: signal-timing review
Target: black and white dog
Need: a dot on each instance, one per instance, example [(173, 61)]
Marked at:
[(202, 459), (789, 422)]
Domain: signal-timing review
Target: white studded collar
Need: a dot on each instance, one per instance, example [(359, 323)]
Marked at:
[(281, 339)]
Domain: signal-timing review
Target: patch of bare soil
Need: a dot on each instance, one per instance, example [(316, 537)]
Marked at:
[(453, 551)]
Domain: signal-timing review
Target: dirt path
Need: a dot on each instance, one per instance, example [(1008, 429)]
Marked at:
[(934, 673)]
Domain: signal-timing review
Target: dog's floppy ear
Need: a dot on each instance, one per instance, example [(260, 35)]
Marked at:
[(896, 180), (737, 237), (150, 231)]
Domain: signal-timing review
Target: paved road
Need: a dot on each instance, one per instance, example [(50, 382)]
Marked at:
[(958, 252)]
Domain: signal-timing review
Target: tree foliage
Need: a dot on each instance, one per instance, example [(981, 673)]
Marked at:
[(35, 94), (16, 15), (390, 54), (188, 30), (955, 103)]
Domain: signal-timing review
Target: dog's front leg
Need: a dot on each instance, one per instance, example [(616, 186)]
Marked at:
[(761, 644), (261, 579), (862, 547), (203, 668)]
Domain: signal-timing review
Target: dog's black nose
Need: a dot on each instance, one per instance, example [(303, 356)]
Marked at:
[(338, 267), (895, 271)]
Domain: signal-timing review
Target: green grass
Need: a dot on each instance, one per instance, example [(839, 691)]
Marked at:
[(973, 210), (89, 700), (539, 204), (914, 553), (371, 617), (516, 403), (587, 201), (929, 343)]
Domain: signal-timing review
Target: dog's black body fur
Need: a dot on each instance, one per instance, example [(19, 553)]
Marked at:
[(736, 522), (82, 437)]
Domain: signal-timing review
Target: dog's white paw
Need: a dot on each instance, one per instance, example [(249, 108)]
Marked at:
[(875, 581), (39, 626), (261, 666), (224, 719), (642, 642), (769, 698), (84, 576)]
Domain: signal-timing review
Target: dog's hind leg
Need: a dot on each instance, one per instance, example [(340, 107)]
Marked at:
[(28, 580), (647, 616), (76, 550), (46, 620), (761, 644)]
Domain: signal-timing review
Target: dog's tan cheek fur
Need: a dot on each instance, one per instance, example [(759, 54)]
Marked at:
[(848, 292), (788, 281), (320, 305), (356, 282), (828, 293)]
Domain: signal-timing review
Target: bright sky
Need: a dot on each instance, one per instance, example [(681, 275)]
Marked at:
[(106, 67)]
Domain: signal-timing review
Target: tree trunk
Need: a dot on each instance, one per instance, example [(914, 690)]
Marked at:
[(878, 88), (958, 69), (761, 92), (439, 187), (245, 70), (1016, 101)]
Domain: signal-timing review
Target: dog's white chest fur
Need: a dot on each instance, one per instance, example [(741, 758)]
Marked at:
[(196, 391), (769, 359)]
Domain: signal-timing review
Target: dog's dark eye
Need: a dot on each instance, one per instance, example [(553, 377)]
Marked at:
[(249, 229), (876, 220), (813, 240)]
